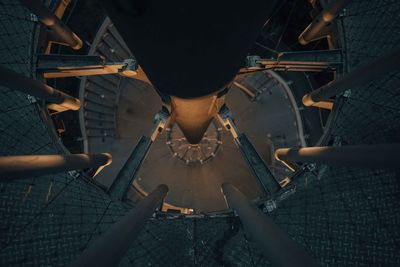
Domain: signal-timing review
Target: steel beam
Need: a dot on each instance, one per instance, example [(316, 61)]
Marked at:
[(254, 160), (127, 174), (305, 61), (364, 74), (318, 27), (57, 66), (275, 244), (108, 249), (16, 81), (257, 164), (364, 156), (19, 167), (61, 32)]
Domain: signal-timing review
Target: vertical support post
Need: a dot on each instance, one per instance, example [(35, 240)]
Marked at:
[(16, 81), (60, 32), (12, 167), (365, 156), (368, 72), (318, 27), (254, 160), (257, 164), (194, 115), (127, 174), (111, 246), (279, 249)]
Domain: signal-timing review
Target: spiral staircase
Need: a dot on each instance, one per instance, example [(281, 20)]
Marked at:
[(341, 215)]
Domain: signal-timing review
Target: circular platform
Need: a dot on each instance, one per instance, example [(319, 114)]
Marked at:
[(268, 119), (192, 154), (263, 109)]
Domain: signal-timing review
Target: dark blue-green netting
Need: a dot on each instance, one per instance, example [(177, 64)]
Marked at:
[(342, 216)]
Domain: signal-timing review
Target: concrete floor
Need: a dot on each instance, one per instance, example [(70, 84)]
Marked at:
[(198, 186), (136, 109), (268, 122)]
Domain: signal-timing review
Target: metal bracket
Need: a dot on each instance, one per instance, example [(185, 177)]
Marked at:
[(225, 118), (159, 122)]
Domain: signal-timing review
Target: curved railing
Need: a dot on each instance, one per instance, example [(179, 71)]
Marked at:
[(100, 94)]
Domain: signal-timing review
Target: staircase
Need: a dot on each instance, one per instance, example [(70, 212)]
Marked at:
[(100, 94)]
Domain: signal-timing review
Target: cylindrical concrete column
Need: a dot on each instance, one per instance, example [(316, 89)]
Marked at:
[(108, 249), (319, 24), (194, 115), (12, 167), (365, 156), (275, 244), (16, 81), (59, 30), (364, 74)]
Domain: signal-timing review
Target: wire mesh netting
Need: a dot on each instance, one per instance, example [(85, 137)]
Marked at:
[(343, 216), (371, 112), (349, 216), (44, 220)]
